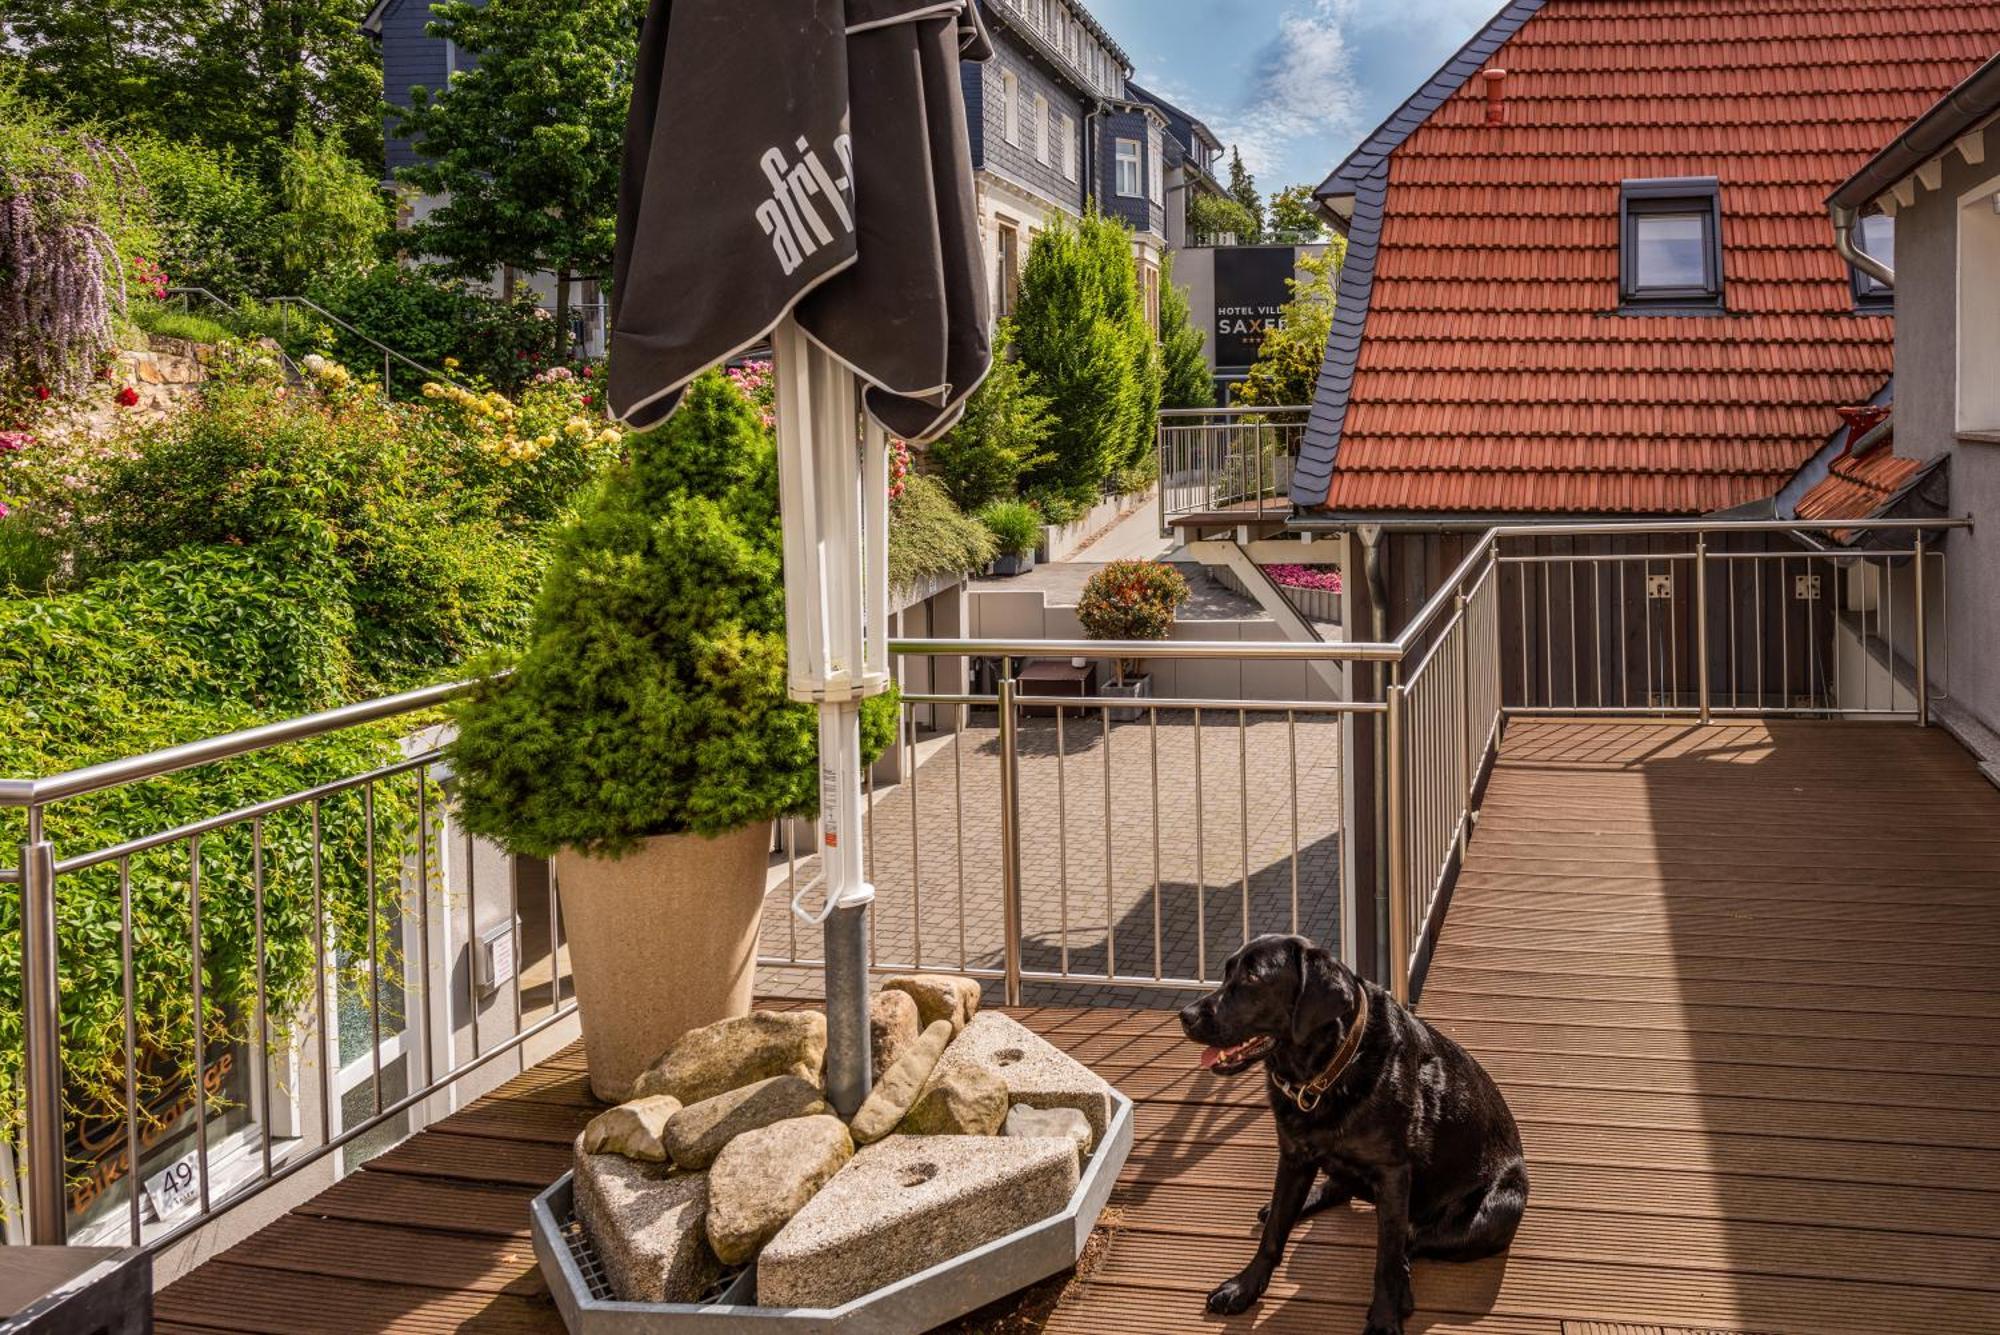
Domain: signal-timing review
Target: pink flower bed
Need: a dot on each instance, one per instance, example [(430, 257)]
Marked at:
[(1326, 578)]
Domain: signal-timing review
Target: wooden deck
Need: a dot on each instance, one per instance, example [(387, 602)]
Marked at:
[(1741, 985)]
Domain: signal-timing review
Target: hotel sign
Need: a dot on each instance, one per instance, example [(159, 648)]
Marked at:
[(1252, 285)]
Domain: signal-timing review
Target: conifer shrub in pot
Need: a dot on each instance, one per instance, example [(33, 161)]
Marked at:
[(644, 739), (1131, 600)]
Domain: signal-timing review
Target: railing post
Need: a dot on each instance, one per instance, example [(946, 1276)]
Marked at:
[(1010, 834), (40, 1004), (1923, 642), (1161, 468), (1399, 897), (1701, 622), (1463, 627)]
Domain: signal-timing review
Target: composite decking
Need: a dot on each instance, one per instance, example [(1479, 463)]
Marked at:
[(1741, 985)]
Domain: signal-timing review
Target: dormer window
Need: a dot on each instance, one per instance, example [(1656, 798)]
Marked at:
[(1876, 236), (1670, 247)]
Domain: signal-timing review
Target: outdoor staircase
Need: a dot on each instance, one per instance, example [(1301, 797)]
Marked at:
[(1230, 562)]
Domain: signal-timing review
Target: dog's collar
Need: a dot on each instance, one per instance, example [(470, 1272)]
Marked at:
[(1307, 1096)]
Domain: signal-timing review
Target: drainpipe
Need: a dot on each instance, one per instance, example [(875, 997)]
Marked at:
[(1845, 220)]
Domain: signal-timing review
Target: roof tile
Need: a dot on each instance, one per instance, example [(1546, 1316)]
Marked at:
[(1494, 373)]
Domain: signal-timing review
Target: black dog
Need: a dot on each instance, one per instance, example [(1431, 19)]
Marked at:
[(1392, 1111)]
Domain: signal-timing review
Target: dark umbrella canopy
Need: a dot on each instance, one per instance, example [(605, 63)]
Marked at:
[(805, 157)]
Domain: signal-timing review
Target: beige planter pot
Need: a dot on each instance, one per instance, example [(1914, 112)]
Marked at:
[(661, 940)]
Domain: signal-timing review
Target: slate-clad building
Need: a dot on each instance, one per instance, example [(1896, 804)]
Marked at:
[(1053, 116)]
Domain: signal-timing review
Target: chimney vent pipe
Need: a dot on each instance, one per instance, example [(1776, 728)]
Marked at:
[(1496, 92)]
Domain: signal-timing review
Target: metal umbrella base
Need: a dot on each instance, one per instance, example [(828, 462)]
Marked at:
[(931, 1297)]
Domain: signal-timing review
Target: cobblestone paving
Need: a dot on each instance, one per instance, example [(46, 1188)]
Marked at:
[(951, 853)]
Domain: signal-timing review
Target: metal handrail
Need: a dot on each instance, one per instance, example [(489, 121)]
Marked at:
[(153, 764), (286, 302)]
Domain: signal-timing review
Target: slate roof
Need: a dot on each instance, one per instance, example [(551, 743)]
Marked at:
[(1477, 364)]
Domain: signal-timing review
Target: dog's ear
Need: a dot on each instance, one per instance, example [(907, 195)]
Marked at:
[(1323, 998)]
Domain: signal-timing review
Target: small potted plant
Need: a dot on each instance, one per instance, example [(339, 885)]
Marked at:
[(1131, 600), (1016, 528), (644, 740)]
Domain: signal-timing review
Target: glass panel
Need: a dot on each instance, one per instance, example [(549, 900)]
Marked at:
[(357, 1105), (1672, 250)]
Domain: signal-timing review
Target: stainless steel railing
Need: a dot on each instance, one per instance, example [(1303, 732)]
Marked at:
[(1232, 463), (1034, 838), (352, 864)]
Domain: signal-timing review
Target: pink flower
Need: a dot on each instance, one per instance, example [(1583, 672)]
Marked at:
[(5, 509), (15, 441), (1325, 578)]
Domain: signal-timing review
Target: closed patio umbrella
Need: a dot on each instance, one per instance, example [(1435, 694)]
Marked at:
[(798, 171)]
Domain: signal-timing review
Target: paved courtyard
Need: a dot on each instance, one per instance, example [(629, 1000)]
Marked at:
[(1190, 863)]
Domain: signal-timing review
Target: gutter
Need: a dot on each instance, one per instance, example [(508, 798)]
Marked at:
[(1951, 117)]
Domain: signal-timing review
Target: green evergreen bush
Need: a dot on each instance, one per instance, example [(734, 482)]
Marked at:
[(1003, 434), (1186, 381), (1073, 329), (651, 697), (428, 318)]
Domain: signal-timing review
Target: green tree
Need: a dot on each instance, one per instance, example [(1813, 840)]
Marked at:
[(1002, 435), (1211, 216), (1243, 189), (1288, 360), (1186, 381), (1294, 216), (212, 213), (334, 214), (1072, 329), (241, 75), (527, 143)]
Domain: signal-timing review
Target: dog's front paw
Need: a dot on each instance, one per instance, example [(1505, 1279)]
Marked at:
[(1237, 1294), (1394, 1326)]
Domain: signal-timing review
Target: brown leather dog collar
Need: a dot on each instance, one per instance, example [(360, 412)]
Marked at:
[(1307, 1096)]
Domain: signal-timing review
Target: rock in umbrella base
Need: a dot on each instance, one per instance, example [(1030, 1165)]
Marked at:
[(931, 1297)]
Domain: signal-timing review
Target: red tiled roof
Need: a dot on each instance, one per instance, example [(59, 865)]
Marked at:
[(1493, 374), (1855, 488)]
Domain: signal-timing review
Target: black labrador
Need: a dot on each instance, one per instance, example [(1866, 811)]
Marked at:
[(1390, 1110)]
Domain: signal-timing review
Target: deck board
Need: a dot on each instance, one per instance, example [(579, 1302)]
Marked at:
[(1742, 988)]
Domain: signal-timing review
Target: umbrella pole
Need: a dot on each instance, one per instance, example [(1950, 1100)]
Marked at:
[(834, 508)]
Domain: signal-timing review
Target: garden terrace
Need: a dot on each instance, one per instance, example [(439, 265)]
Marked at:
[(1610, 846)]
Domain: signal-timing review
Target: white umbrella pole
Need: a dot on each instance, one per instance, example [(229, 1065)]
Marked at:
[(833, 489)]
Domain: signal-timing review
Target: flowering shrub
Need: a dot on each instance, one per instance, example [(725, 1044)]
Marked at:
[(542, 446), (71, 211), (1323, 578), (754, 381), (1131, 600), (899, 467)]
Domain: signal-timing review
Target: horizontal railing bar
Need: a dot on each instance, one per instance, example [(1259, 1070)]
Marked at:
[(1258, 650), (153, 764), (209, 824), (1235, 410), (1169, 704), (1599, 558), (257, 1185)]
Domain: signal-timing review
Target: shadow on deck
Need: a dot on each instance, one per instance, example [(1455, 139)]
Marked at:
[(1741, 985)]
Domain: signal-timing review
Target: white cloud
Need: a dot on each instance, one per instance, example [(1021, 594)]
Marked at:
[(1304, 85)]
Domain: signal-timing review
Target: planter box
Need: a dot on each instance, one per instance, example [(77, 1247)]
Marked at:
[(1133, 688), (1006, 566), (929, 1298), (1060, 541)]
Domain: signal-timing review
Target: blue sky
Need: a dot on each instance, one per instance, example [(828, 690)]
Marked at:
[(1293, 83)]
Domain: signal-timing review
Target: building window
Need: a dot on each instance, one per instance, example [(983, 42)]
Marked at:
[(1009, 285), (1875, 236), (1149, 289), (1010, 107), (1128, 168), (1156, 171), (1042, 139), (1047, 15), (1978, 313), (1670, 251), (1068, 128)]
